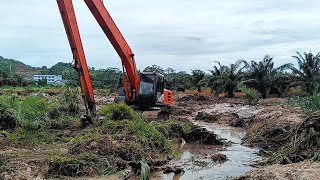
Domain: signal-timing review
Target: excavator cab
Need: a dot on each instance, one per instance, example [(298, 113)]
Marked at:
[(151, 90)]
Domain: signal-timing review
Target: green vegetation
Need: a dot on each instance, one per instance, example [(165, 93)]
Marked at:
[(35, 112), (310, 104), (227, 79), (120, 118), (260, 75), (264, 76), (51, 125), (308, 74), (63, 164), (252, 95), (198, 78)]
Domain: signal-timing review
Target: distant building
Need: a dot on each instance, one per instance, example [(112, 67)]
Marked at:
[(51, 79)]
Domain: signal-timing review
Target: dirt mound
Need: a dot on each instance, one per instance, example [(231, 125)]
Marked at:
[(20, 168), (194, 97), (220, 158), (304, 141), (203, 136), (107, 146), (181, 111), (303, 171), (231, 119), (288, 142)]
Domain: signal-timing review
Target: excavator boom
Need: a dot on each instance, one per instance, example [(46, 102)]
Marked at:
[(80, 63), (150, 94), (114, 35)]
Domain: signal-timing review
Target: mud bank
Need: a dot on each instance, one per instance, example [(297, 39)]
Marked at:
[(285, 134), (199, 162)]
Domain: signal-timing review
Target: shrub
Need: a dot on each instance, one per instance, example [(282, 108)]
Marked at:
[(61, 164), (122, 119), (32, 113), (310, 104), (296, 91), (118, 112), (252, 95), (70, 102), (8, 115)]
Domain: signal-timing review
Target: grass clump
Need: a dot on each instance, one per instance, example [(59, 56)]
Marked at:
[(310, 104), (37, 112), (8, 115), (118, 112), (36, 137), (62, 164), (69, 101), (122, 119), (252, 95), (30, 119), (316, 156), (174, 128)]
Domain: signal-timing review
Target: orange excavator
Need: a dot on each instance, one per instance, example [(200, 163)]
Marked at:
[(142, 90)]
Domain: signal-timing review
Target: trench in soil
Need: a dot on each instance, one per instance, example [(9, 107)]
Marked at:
[(239, 157)]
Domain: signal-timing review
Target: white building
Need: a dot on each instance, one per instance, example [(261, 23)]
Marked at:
[(51, 79)]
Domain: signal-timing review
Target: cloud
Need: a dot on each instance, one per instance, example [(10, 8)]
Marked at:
[(182, 34)]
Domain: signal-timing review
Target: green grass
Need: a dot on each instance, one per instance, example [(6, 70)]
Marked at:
[(35, 112), (123, 137), (310, 104), (26, 137), (119, 111), (63, 164), (252, 95), (122, 119)]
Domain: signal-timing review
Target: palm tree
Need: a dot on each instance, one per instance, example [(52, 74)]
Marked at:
[(198, 78), (308, 72), (264, 75), (227, 79)]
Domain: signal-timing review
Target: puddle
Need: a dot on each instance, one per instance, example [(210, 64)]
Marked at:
[(239, 157)]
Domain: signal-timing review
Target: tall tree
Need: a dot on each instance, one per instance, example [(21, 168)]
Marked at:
[(227, 78), (264, 75), (154, 68), (308, 74), (198, 78)]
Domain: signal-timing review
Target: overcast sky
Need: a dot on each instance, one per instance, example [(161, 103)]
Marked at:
[(182, 34)]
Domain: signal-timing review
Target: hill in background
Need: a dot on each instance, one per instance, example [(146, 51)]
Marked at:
[(17, 67)]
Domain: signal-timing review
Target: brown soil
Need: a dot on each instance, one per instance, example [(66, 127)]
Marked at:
[(270, 126), (298, 171)]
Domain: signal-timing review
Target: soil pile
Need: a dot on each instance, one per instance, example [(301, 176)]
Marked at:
[(303, 170)]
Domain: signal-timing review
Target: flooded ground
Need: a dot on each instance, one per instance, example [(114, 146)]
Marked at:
[(267, 125), (239, 157)]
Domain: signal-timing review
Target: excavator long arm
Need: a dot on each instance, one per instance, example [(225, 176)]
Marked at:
[(114, 35), (72, 30)]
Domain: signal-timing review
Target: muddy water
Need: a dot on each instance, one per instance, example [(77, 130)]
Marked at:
[(239, 157)]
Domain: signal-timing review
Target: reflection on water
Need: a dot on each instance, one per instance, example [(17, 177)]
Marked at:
[(239, 157)]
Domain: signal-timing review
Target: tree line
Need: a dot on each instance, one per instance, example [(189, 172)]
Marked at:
[(261, 75)]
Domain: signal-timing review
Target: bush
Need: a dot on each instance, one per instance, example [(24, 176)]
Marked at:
[(118, 112), (252, 95), (122, 119), (310, 104), (34, 113), (70, 102), (296, 91), (8, 115), (61, 164)]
